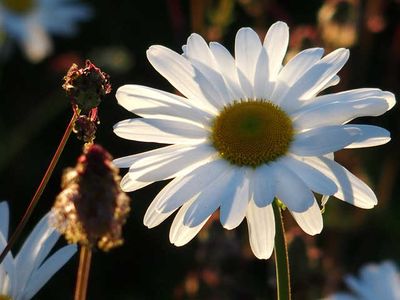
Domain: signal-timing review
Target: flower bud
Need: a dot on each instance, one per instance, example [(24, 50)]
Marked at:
[(86, 86), (91, 209), (85, 128)]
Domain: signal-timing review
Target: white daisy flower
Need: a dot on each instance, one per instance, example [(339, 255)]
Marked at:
[(22, 276), (29, 23), (376, 281), (246, 131)]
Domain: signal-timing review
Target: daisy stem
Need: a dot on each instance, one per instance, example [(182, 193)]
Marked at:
[(281, 256), (83, 273), (40, 188)]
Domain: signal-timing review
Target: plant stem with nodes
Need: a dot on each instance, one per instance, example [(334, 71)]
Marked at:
[(41, 186)]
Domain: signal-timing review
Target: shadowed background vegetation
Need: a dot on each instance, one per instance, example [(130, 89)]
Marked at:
[(217, 264)]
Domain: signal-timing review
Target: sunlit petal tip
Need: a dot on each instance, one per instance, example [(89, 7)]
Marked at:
[(310, 220), (181, 234), (123, 93), (154, 49), (390, 98), (370, 136), (120, 162), (153, 218), (279, 27), (341, 52), (245, 30), (123, 89), (129, 185), (194, 36), (261, 228)]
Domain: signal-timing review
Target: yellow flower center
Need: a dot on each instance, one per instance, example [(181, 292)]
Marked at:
[(4, 297), (19, 6), (252, 133)]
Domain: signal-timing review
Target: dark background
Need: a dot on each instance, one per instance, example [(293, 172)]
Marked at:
[(218, 264)]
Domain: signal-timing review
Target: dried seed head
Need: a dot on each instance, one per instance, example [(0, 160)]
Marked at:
[(91, 209), (86, 86), (85, 128)]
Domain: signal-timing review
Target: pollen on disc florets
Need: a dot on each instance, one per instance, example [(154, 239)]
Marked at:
[(251, 133)]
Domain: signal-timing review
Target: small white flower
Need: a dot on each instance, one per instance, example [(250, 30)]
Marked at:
[(376, 281), (22, 276), (248, 130), (29, 23)]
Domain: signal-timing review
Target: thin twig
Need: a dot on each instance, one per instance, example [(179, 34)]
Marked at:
[(40, 188), (83, 273)]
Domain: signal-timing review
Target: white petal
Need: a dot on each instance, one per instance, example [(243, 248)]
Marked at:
[(227, 68), (151, 158), (127, 161), (36, 43), (276, 42), (323, 140), (262, 185), (201, 57), (148, 102), (293, 70), (263, 86), (291, 190), (182, 189), (261, 225), (233, 210), (183, 76), (153, 217), (48, 269), (184, 50), (314, 80), (350, 188), (129, 185), (176, 167), (211, 197), (159, 131), (9, 267), (334, 81), (324, 200), (324, 71), (247, 50), (350, 95), (4, 219), (170, 167), (34, 250), (370, 136), (337, 113), (310, 220), (181, 234), (390, 98), (362, 289), (312, 177)]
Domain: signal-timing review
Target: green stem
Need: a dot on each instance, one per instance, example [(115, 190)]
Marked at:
[(281, 256), (40, 188)]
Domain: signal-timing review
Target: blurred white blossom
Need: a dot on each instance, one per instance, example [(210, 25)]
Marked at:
[(31, 22), (22, 276), (376, 281)]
